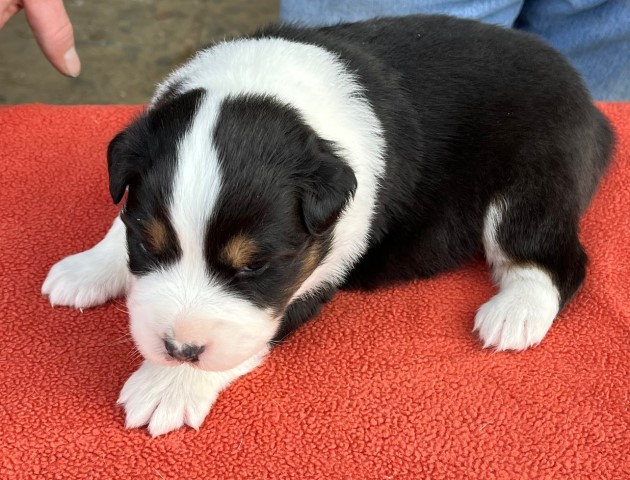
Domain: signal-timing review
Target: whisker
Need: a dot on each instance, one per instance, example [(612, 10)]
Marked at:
[(120, 341), (120, 306)]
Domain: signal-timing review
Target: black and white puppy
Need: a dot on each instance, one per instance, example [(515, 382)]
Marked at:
[(272, 170)]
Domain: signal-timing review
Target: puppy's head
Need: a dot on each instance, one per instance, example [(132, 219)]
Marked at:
[(231, 206)]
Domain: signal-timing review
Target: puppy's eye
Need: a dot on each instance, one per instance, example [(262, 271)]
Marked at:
[(254, 267)]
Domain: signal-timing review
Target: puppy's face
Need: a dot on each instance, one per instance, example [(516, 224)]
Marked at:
[(231, 205)]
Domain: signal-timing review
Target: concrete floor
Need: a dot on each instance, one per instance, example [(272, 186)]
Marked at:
[(125, 46)]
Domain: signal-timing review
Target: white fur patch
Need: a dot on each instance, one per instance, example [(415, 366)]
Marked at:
[(167, 398), (317, 84), (520, 315), (92, 277)]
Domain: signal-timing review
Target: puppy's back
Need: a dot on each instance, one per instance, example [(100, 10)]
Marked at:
[(471, 93)]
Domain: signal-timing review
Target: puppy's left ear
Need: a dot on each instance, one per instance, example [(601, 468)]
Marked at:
[(329, 187), (125, 162)]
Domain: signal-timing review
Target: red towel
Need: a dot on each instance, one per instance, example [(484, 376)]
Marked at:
[(386, 385)]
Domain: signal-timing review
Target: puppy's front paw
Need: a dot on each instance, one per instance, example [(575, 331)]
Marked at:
[(167, 398), (518, 317), (86, 279)]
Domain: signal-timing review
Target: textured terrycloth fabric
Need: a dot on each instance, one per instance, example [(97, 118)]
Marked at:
[(386, 385)]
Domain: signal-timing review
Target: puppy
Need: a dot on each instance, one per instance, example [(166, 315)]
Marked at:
[(271, 170)]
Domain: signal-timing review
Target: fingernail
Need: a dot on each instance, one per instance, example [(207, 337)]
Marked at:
[(73, 64)]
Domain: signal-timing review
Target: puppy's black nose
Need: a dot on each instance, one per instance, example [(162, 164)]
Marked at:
[(187, 352)]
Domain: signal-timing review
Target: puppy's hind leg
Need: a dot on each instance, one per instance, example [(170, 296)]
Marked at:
[(92, 277), (538, 264)]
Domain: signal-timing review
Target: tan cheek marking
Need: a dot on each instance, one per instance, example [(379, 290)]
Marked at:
[(311, 260), (157, 236), (239, 251)]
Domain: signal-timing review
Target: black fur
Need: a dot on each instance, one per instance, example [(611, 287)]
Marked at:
[(302, 310), (287, 189), (472, 113)]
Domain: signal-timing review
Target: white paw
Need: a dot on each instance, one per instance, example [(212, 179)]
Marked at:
[(518, 317), (84, 280), (167, 398), (92, 277)]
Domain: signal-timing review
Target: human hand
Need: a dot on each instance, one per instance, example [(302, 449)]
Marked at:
[(52, 29)]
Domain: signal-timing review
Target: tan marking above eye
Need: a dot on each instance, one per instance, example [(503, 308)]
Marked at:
[(157, 235), (239, 251)]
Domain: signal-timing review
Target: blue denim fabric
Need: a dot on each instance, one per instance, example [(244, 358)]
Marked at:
[(594, 35)]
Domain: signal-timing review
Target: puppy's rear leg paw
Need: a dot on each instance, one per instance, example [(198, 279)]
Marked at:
[(518, 317)]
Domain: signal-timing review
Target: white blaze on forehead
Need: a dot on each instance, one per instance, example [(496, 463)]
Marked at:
[(327, 95), (196, 184), (192, 290)]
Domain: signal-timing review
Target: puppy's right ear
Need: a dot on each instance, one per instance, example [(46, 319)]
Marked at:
[(125, 162)]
